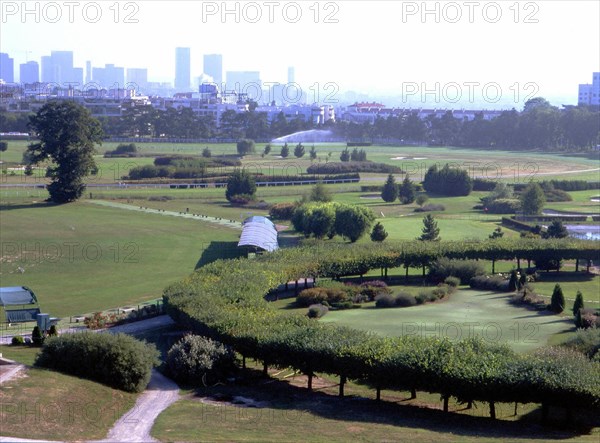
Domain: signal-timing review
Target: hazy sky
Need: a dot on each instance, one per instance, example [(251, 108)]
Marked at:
[(543, 48)]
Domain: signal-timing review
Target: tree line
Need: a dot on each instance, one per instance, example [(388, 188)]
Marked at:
[(539, 126)]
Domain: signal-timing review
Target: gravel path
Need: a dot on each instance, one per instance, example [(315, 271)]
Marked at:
[(136, 424)]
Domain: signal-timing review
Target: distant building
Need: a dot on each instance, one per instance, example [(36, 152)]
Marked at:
[(7, 68), (247, 82), (213, 66), (88, 72), (590, 94), (182, 69), (138, 77), (29, 72), (291, 75), (110, 77)]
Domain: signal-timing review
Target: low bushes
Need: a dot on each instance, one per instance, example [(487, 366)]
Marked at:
[(317, 311), (17, 340), (527, 296), (493, 283), (358, 166), (401, 300), (117, 360), (282, 211), (586, 341), (195, 359), (503, 206), (464, 270), (430, 207), (341, 296)]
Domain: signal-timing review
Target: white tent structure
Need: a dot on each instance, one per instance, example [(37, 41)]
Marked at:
[(259, 232)]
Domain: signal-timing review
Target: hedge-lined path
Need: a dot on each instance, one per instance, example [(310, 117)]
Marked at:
[(135, 425), (199, 217)]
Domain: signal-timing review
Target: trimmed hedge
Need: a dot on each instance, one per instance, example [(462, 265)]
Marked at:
[(346, 167), (117, 360), (225, 300)]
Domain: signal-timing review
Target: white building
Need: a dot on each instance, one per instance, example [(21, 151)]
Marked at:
[(590, 94)]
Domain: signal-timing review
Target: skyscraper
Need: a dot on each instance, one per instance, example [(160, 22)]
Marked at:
[(47, 75), (182, 69), (62, 66), (29, 72), (7, 68), (137, 77), (213, 66), (291, 75), (109, 77), (88, 71)]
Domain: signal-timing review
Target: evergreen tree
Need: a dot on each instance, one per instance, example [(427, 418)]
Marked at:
[(285, 151), (389, 192), (557, 302), (578, 303), (345, 155), (313, 153), (431, 231), (513, 283), (407, 191), (556, 230), (319, 193), (299, 150), (378, 233), (267, 149)]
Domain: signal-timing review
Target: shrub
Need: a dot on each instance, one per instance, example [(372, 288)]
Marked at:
[(317, 311), (527, 296), (578, 303), (421, 199), (313, 296), (557, 302), (405, 300), (378, 234), (117, 360), (586, 341), (17, 340), (206, 152), (3, 146), (195, 359), (345, 167), (149, 171), (589, 319), (37, 337), (548, 264), (464, 270), (503, 206), (430, 208), (494, 283), (385, 301), (241, 199), (53, 332), (282, 211), (453, 282)]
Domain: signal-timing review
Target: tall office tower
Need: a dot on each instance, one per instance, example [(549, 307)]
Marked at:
[(29, 72), (182, 69), (47, 74), (291, 75), (88, 71), (62, 66), (213, 66), (7, 68)]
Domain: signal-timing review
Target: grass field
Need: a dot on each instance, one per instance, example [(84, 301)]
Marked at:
[(286, 411), (79, 258)]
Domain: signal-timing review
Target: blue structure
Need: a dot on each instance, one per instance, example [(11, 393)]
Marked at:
[(259, 232)]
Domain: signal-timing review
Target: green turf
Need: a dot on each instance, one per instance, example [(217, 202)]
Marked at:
[(82, 257), (467, 313), (52, 406)]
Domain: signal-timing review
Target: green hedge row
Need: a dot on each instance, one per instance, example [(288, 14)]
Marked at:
[(224, 300)]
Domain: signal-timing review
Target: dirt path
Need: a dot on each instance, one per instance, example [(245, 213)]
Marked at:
[(198, 217), (136, 424)]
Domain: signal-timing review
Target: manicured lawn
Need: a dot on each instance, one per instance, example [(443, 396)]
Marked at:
[(79, 258), (467, 313), (20, 354), (52, 406)]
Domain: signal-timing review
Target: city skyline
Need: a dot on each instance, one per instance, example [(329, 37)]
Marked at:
[(380, 48)]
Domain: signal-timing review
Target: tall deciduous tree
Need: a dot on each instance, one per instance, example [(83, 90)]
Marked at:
[(431, 232), (389, 193), (68, 135), (532, 199)]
